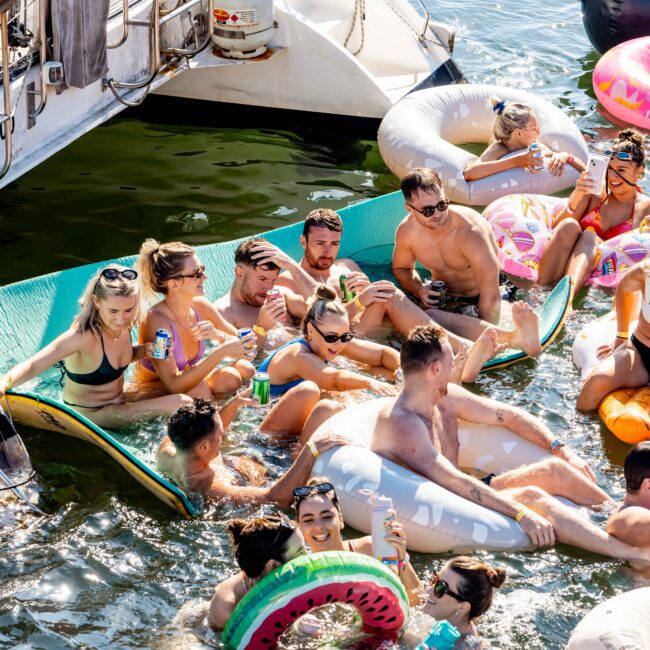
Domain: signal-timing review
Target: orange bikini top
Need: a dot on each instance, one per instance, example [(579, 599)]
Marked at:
[(593, 220)]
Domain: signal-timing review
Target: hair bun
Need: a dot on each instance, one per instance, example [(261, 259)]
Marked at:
[(323, 292), (496, 576), (498, 105), (632, 135), (235, 527)]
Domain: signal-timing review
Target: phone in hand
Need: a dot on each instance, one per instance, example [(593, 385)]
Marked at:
[(597, 169)]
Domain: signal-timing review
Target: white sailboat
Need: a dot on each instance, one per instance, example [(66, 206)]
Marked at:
[(67, 67)]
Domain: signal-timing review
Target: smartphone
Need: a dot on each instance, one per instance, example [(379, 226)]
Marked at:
[(597, 169)]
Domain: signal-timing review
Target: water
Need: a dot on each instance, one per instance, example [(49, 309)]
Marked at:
[(112, 565)]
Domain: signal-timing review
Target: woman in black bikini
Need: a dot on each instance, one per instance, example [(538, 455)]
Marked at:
[(95, 352)]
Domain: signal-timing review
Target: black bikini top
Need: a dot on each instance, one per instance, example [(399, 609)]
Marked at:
[(105, 374)]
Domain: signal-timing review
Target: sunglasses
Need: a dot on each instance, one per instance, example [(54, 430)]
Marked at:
[(333, 338), (197, 275), (441, 588), (622, 155), (307, 490), (430, 210), (113, 274)]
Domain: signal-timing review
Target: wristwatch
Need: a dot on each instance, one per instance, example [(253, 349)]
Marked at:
[(556, 444)]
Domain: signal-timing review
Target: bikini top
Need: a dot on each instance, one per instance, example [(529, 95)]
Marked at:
[(179, 355), (105, 374), (593, 220)]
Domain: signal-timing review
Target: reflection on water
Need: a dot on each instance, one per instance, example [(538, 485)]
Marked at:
[(112, 565)]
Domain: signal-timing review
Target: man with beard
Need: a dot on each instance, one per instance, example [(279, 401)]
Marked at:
[(419, 430), (257, 267), (379, 303)]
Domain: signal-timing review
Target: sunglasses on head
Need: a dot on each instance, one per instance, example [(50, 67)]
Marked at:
[(430, 210), (333, 338), (197, 275), (622, 155), (441, 588), (113, 274), (307, 490)]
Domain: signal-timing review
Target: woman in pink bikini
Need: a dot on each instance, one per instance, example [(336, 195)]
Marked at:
[(174, 270), (590, 218)]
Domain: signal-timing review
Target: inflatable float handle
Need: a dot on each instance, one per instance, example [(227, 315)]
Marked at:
[(443, 636)]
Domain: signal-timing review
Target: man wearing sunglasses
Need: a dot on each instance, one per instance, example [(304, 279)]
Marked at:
[(257, 266), (458, 247), (419, 430)]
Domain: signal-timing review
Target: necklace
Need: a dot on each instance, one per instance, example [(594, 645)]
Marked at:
[(114, 338)]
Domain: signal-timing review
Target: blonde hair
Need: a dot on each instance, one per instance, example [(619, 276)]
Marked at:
[(324, 301), (510, 116), (158, 263), (88, 318)]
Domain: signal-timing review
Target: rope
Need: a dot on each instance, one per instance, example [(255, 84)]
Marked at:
[(359, 14)]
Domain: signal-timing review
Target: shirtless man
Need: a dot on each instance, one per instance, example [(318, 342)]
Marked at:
[(379, 301), (631, 522), (458, 247), (626, 363), (418, 430), (257, 267), (191, 452)]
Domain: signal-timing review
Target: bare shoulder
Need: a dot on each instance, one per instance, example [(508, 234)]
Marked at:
[(455, 396), (394, 418), (346, 264), (468, 217), (494, 151), (363, 545), (406, 227), (223, 602)]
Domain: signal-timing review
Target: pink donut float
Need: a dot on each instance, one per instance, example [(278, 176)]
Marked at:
[(621, 81), (522, 225)]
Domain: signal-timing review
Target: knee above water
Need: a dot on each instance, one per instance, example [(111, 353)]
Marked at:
[(245, 369), (568, 230)]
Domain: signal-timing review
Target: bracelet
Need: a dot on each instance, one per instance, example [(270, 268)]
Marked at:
[(622, 335), (568, 208), (402, 563), (258, 329), (570, 160), (358, 303), (312, 447), (520, 515)]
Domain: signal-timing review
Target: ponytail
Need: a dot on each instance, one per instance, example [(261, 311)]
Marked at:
[(158, 263)]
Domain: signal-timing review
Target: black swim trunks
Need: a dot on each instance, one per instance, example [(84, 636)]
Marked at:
[(468, 305), (644, 352)]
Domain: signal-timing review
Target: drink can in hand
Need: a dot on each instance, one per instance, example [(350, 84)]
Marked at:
[(272, 294), (243, 332), (262, 387), (441, 288), (346, 294), (161, 343)]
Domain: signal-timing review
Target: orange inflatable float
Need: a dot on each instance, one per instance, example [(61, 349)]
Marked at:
[(626, 413)]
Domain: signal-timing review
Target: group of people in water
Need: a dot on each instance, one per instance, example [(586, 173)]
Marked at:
[(440, 349)]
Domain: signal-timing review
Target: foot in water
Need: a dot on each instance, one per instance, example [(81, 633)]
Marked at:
[(460, 359), (526, 334), (482, 350)]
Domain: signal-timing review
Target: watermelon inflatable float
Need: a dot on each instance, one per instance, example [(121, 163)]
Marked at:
[(310, 581)]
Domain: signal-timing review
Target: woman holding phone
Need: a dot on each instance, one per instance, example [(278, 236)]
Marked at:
[(594, 214)]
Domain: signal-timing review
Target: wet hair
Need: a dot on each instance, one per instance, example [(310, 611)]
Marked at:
[(158, 263), (324, 301), (256, 541), (244, 255), (630, 141), (190, 423), (637, 466), (322, 218), (331, 495), (421, 348), (510, 116), (478, 581), (88, 318), (423, 179)]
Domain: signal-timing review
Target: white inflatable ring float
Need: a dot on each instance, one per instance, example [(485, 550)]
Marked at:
[(435, 520), (424, 128), (620, 622)]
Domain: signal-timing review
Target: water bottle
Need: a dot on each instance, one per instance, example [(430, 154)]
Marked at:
[(443, 636), (380, 517)]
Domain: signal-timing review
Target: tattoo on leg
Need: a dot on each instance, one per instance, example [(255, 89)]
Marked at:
[(500, 417)]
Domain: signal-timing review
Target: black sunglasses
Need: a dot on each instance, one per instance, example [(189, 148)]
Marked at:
[(113, 274), (333, 338), (197, 275), (307, 490), (440, 588), (430, 210)]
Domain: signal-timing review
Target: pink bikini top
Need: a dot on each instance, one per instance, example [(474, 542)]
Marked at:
[(593, 220)]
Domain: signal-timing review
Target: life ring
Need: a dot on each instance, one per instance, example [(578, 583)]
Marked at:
[(620, 622), (621, 81), (311, 581), (434, 519), (423, 129), (522, 225), (610, 22)]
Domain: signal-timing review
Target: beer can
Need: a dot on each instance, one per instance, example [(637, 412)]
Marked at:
[(272, 294), (537, 154), (243, 332), (161, 343), (262, 387), (346, 294), (441, 288)]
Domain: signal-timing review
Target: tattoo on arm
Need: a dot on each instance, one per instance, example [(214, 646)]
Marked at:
[(500, 417), (475, 495)]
